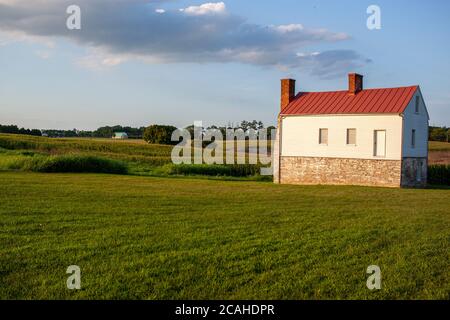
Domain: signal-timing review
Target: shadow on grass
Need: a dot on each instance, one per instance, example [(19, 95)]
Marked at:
[(438, 187)]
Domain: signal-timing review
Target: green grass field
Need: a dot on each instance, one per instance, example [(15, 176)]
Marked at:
[(140, 157), (167, 238)]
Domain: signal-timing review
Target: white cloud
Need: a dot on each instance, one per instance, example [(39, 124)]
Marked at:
[(304, 55), (25, 2), (8, 37), (43, 54), (289, 28), (9, 2), (138, 29), (98, 59), (206, 8)]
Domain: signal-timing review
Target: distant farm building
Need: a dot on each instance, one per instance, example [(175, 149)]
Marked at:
[(120, 135), (372, 137)]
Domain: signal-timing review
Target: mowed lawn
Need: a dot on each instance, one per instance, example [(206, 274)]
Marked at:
[(163, 238)]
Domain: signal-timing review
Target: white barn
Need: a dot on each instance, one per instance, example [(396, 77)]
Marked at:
[(372, 137), (120, 136)]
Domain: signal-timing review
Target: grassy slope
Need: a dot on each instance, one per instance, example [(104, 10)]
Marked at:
[(136, 152), (152, 238), (439, 146)]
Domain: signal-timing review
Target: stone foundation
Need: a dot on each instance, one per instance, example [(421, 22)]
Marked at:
[(414, 172), (336, 171)]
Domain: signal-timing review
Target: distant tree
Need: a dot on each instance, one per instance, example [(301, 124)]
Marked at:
[(108, 131), (439, 134), (9, 129), (36, 132), (191, 130), (13, 129), (104, 132), (269, 132), (62, 133), (136, 133), (244, 125), (247, 125), (85, 134), (253, 125), (157, 134), (71, 133)]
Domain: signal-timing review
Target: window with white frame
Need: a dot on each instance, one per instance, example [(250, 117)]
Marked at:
[(323, 136)]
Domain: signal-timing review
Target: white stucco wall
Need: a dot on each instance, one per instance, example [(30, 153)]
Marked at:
[(418, 122), (300, 136)]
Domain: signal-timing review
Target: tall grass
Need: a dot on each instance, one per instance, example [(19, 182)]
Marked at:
[(66, 163), (237, 170), (439, 174)]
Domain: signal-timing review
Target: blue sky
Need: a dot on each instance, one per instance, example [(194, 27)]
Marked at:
[(220, 63)]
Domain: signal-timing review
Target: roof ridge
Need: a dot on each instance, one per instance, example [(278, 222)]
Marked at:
[(389, 88)]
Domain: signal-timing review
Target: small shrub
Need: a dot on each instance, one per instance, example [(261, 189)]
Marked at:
[(439, 174)]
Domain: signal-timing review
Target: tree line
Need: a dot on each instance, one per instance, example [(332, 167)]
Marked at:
[(162, 133), (439, 134), (159, 133), (13, 129), (102, 132)]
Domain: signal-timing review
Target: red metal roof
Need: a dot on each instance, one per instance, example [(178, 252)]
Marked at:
[(389, 100)]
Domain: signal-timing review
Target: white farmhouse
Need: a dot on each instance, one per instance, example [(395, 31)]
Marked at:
[(372, 137)]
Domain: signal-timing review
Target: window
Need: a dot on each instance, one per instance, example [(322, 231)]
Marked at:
[(413, 138), (323, 136), (351, 136), (417, 104)]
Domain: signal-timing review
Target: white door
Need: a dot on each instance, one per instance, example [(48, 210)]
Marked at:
[(380, 143)]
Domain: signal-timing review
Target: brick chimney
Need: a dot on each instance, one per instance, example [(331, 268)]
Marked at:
[(355, 83), (287, 92)]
